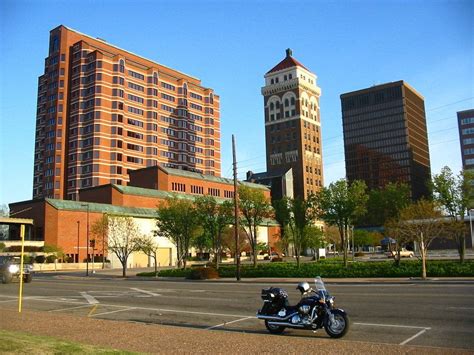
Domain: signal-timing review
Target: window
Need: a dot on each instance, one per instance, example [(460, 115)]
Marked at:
[(136, 75)]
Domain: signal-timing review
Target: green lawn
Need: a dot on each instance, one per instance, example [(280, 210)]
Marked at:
[(22, 343)]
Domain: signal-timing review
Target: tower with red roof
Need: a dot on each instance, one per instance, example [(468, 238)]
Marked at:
[(293, 125)]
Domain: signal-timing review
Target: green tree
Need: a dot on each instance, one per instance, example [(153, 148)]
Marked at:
[(454, 194), (282, 216), (178, 221), (53, 251), (340, 205), (302, 215), (123, 238), (99, 230), (254, 207), (214, 217), (385, 203), (4, 211), (314, 240)]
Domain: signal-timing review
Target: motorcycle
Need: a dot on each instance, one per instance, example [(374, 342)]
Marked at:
[(314, 311)]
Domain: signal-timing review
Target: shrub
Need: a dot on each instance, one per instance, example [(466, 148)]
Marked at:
[(50, 259), (277, 260), (359, 253), (40, 259), (203, 273)]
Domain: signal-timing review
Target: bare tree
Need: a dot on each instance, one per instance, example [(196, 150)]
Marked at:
[(123, 240), (422, 222), (148, 244), (100, 230)]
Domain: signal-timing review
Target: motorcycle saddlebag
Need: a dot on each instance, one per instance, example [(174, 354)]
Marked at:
[(274, 295)]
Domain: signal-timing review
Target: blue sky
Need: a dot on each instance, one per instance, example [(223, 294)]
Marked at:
[(230, 45)]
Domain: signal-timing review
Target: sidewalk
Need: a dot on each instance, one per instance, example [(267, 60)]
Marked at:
[(161, 339)]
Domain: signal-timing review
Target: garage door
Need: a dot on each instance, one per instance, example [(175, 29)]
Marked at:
[(164, 256)]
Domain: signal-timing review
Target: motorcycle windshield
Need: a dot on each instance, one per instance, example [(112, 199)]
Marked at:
[(319, 284)]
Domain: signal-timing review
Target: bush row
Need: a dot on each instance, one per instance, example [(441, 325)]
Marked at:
[(435, 268)]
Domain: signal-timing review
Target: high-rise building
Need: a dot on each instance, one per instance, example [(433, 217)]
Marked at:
[(292, 124), (103, 111), (466, 138), (385, 137)]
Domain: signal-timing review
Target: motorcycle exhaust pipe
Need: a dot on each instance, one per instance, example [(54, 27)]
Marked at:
[(261, 316), (285, 324)]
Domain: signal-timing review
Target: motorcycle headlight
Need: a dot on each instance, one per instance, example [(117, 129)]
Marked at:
[(13, 269)]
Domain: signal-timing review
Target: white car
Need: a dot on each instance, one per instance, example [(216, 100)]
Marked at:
[(403, 253)]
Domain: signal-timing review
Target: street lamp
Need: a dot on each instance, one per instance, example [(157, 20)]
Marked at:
[(470, 224), (87, 246), (78, 227)]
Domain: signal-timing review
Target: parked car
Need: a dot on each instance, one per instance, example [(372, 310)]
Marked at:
[(10, 269), (403, 253)]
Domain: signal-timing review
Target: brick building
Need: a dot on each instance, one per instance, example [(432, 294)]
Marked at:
[(103, 111), (64, 222), (385, 137), (293, 125)]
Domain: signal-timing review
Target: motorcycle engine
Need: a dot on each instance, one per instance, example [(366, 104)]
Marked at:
[(296, 319), (282, 313), (304, 309)]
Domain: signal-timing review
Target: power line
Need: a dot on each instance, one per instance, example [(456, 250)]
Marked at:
[(449, 104)]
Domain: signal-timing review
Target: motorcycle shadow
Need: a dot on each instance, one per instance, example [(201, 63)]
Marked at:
[(287, 333)]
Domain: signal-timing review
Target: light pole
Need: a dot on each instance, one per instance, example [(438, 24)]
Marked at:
[(352, 234), (470, 224), (87, 246), (78, 227)]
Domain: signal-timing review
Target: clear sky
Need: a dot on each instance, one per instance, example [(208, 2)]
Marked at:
[(230, 45)]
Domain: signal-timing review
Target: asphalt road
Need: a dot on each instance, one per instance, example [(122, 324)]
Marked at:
[(412, 314)]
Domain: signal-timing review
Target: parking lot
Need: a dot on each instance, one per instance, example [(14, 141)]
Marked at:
[(403, 314)]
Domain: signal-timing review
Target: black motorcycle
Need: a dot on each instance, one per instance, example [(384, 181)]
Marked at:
[(315, 310)]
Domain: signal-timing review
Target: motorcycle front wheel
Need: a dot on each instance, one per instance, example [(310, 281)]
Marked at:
[(274, 329), (339, 326)]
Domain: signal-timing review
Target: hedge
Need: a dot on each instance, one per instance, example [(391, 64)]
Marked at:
[(435, 268)]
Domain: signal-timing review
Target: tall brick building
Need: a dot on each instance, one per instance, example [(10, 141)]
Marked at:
[(293, 125), (385, 137), (103, 111)]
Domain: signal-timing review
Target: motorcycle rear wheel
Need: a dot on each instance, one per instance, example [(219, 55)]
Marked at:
[(274, 329), (339, 327)]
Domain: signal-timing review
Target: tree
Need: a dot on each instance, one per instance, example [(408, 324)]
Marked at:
[(54, 251), (340, 205), (100, 230), (228, 240), (148, 244), (366, 238), (4, 211), (422, 222), (178, 221), (302, 216), (282, 216), (214, 217), (314, 240), (123, 239), (454, 194), (385, 203), (254, 207)]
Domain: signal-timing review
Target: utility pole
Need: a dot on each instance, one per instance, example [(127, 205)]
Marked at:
[(236, 214)]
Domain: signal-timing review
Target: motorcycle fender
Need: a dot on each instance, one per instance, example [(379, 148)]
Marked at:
[(335, 309)]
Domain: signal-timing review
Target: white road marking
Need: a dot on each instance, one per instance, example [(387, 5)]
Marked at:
[(89, 298), (145, 291), (413, 337), (225, 323), (393, 326), (116, 311), (461, 307), (67, 309)]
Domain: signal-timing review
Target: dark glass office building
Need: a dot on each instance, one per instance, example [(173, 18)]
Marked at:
[(466, 137), (385, 137)]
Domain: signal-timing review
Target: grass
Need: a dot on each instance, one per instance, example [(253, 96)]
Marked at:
[(23, 343)]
